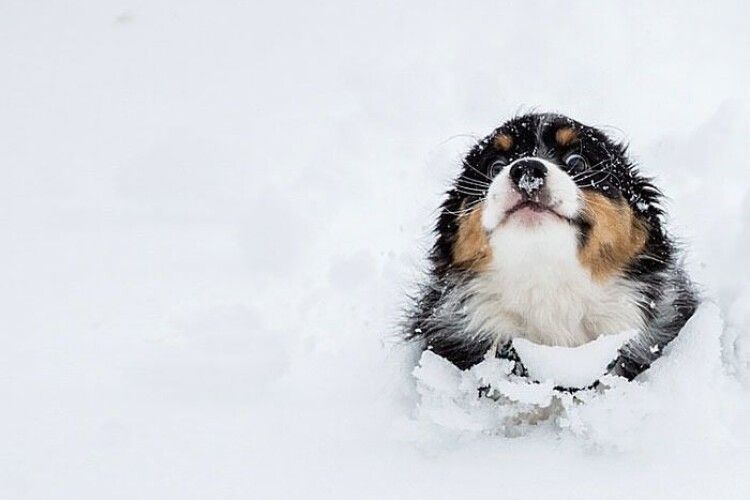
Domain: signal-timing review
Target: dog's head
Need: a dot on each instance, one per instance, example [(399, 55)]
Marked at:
[(545, 179)]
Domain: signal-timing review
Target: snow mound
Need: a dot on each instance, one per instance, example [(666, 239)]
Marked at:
[(684, 393), (570, 366)]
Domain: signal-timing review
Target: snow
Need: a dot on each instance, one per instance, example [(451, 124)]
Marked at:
[(212, 213), (665, 408), (573, 367), (530, 184)]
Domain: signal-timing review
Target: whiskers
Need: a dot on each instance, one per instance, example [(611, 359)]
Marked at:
[(472, 187), (466, 208), (482, 174), (596, 175)]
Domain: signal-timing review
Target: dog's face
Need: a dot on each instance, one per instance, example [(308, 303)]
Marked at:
[(545, 179)]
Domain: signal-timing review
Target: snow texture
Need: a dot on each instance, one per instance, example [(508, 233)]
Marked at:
[(212, 213), (616, 415), (570, 366), (529, 183)]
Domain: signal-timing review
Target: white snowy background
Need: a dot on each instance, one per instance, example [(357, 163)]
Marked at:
[(211, 212)]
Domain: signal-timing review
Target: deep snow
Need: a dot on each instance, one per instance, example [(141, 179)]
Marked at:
[(572, 367), (212, 212)]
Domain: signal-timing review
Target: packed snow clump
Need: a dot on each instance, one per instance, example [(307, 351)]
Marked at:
[(685, 387), (570, 366)]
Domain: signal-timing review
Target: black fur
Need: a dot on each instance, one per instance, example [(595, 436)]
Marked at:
[(668, 298)]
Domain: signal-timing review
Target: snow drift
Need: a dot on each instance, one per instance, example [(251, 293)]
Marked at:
[(685, 390), (212, 213)]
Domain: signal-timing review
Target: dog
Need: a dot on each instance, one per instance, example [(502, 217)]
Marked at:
[(550, 233)]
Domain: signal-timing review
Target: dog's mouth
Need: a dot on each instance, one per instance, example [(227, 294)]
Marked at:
[(535, 206)]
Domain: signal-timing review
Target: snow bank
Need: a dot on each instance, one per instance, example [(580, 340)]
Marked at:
[(686, 399)]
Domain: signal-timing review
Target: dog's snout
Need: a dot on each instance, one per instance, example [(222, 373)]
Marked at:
[(528, 175)]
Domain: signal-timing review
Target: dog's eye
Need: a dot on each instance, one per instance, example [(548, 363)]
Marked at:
[(497, 166), (576, 163)]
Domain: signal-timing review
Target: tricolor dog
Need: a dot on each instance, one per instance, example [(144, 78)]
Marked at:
[(550, 233)]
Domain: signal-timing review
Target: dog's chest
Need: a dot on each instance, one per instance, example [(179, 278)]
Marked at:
[(540, 291)]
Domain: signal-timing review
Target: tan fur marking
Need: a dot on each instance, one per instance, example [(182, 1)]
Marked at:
[(503, 142), (472, 248), (616, 236), (565, 136)]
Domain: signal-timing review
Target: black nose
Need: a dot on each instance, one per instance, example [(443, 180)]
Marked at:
[(528, 176)]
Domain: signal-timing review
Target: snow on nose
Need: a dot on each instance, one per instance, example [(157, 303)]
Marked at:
[(528, 176), (530, 184)]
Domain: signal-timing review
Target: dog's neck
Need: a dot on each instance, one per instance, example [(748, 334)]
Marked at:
[(536, 288)]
